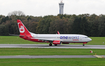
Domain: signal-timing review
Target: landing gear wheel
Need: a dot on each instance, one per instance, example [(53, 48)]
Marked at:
[(55, 44), (50, 44), (83, 44)]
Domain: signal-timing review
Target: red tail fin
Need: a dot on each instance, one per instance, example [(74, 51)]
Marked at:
[(24, 33)]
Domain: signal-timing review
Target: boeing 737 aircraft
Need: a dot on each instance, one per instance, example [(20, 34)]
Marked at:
[(51, 38)]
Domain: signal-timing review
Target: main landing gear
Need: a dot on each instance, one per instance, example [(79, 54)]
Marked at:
[(55, 44), (51, 44)]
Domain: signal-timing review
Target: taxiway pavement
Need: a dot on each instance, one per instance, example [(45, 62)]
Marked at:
[(50, 56), (47, 46)]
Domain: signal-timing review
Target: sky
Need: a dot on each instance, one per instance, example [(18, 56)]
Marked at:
[(51, 7)]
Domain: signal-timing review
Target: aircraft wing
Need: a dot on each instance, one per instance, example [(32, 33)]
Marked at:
[(55, 41), (43, 39)]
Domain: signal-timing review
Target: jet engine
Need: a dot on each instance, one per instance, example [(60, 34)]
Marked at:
[(56, 42)]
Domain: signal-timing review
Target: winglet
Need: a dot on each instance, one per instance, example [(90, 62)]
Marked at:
[(58, 32)]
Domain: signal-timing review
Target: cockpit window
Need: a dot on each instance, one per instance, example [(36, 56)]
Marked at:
[(85, 37)]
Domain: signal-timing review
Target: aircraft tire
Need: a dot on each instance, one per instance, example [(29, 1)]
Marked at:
[(55, 44), (50, 44), (83, 44)]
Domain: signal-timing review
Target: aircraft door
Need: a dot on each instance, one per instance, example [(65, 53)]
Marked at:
[(80, 39)]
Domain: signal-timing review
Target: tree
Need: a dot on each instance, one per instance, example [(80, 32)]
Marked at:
[(3, 30), (57, 25), (84, 26), (101, 27), (16, 13), (76, 27), (44, 24)]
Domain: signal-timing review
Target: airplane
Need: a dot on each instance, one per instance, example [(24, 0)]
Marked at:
[(55, 39)]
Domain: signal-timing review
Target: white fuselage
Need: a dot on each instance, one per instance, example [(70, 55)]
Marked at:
[(62, 37)]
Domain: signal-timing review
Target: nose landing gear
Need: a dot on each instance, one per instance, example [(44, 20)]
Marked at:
[(84, 43)]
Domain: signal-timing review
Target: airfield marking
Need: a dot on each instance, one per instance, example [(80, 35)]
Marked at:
[(99, 56)]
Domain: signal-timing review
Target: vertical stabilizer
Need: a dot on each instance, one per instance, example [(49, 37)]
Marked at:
[(24, 33)]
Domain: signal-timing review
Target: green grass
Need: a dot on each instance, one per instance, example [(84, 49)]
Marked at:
[(18, 40), (97, 41), (49, 51), (15, 40), (53, 62), (50, 61)]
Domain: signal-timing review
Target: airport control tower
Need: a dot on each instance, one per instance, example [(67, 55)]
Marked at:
[(61, 6)]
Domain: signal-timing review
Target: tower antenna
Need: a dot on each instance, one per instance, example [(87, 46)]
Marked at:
[(61, 1), (61, 7)]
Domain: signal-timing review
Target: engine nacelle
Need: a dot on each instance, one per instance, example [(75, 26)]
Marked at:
[(56, 42), (65, 42)]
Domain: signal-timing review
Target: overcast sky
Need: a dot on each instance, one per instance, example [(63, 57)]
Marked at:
[(51, 7)]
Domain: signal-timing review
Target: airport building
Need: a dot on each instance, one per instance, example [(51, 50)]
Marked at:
[(61, 7)]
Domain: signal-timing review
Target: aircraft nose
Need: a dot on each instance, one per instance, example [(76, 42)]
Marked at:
[(90, 39)]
